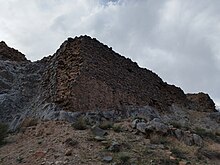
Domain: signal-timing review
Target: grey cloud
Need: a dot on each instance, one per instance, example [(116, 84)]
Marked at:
[(176, 39)]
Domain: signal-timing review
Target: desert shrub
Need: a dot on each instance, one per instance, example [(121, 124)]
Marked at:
[(124, 157), (80, 124), (117, 128), (158, 139), (178, 153), (208, 134), (3, 132), (29, 122), (176, 124), (71, 142), (217, 133), (106, 125)]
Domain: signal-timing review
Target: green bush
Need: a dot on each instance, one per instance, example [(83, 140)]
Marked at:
[(3, 132), (29, 122), (106, 125), (124, 157), (158, 139), (178, 153), (117, 128), (176, 124), (208, 134), (80, 124)]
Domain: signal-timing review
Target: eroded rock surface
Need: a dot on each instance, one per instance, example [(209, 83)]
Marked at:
[(86, 76)]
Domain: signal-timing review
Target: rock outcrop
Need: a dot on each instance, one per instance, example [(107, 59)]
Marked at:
[(201, 102), (7, 53), (83, 76)]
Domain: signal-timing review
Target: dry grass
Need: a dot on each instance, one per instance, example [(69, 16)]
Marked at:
[(50, 140)]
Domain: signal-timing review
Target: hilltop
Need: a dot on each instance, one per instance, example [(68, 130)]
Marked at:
[(86, 81)]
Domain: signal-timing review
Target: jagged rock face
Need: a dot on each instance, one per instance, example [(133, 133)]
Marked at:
[(85, 75), (19, 87), (19, 82), (82, 76), (7, 53), (201, 102)]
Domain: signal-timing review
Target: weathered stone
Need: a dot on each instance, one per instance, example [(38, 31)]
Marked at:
[(134, 123), (188, 139), (157, 125), (201, 102), (178, 133), (107, 159), (98, 131), (141, 126), (83, 77), (68, 152), (99, 138), (115, 147), (215, 116), (7, 53), (197, 140)]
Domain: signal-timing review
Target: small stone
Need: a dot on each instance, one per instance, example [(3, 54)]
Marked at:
[(134, 123), (184, 163), (98, 131), (59, 163), (197, 140), (107, 159), (56, 156), (115, 147), (141, 126), (68, 152), (40, 154), (188, 139), (178, 133), (172, 158), (99, 138)]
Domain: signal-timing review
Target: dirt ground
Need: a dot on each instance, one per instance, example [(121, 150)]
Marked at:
[(58, 143)]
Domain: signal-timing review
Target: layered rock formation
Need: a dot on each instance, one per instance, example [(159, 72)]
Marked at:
[(11, 54), (83, 75), (201, 102)]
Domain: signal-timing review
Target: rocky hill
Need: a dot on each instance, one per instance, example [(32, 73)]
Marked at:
[(85, 75), (87, 80)]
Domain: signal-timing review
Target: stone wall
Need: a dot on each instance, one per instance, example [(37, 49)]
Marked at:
[(86, 75)]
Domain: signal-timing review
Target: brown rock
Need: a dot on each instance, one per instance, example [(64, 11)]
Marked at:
[(201, 102), (68, 152), (85, 75), (7, 53)]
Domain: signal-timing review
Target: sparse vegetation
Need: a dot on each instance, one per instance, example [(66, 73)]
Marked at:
[(19, 159), (176, 124), (106, 125), (178, 153), (71, 142), (3, 132), (80, 124), (117, 128), (29, 122), (208, 134), (124, 157), (158, 139)]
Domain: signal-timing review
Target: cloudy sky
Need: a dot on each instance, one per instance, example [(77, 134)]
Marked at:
[(177, 39)]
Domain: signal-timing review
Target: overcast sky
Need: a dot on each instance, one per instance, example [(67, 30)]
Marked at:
[(177, 39)]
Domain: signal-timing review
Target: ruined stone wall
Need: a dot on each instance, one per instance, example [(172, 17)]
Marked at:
[(85, 75)]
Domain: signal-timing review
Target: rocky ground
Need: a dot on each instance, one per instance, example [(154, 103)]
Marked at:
[(122, 142)]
